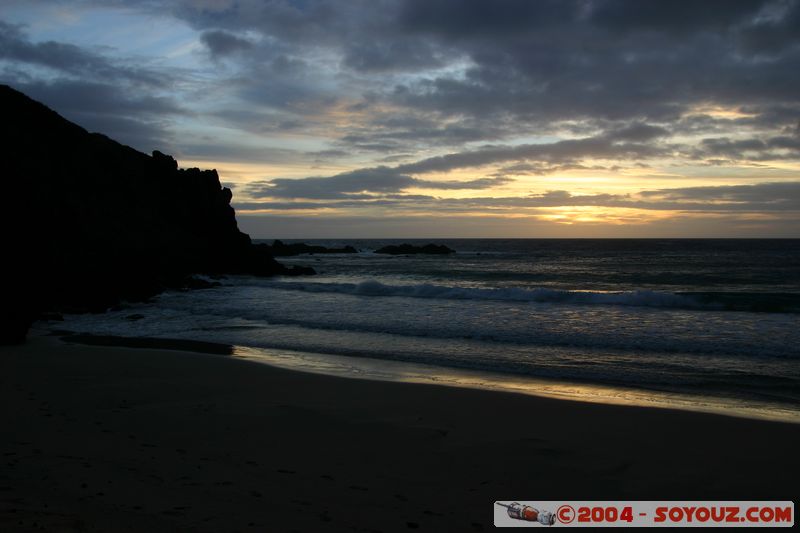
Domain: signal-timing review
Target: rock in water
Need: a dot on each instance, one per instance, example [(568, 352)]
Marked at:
[(406, 249), (281, 249)]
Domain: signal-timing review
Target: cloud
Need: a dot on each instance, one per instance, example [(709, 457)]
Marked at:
[(611, 146), (67, 58), (396, 91), (380, 179), (479, 183), (381, 56), (638, 132), (674, 17), (764, 198), (644, 61), (391, 132), (753, 149), (773, 193), (468, 72), (98, 92), (222, 43), (126, 116), (100, 98), (616, 145), (361, 183)]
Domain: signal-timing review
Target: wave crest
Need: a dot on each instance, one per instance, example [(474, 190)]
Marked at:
[(639, 298)]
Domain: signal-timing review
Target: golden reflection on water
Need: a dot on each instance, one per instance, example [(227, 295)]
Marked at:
[(384, 370)]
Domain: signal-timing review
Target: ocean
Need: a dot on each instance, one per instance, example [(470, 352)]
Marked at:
[(709, 325)]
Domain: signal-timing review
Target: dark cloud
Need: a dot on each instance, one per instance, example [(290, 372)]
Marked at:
[(769, 34), (545, 61), (675, 17), (283, 206), (542, 168), (71, 96), (359, 184), (618, 145), (765, 197), (775, 193), (468, 19), (567, 151), (753, 149), (468, 71), (68, 58), (377, 55), (362, 31), (480, 183), (395, 132), (377, 180), (213, 150), (638, 132), (222, 43)]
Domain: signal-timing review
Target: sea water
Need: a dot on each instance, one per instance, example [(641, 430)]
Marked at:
[(705, 324)]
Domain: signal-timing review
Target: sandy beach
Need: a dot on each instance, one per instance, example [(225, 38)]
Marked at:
[(102, 438)]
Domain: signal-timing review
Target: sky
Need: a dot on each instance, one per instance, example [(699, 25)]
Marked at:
[(443, 118)]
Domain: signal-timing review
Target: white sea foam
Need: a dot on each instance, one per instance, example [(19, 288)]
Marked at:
[(639, 298)]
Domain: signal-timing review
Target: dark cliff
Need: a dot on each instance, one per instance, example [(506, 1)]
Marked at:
[(87, 222)]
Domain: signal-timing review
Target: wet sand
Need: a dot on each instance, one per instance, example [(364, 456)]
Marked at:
[(99, 438)]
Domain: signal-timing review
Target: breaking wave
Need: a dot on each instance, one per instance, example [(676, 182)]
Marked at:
[(640, 298), (712, 301)]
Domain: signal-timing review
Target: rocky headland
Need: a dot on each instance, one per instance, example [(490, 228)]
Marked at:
[(88, 222)]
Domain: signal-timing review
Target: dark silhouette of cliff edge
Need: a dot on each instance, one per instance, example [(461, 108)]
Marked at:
[(88, 222)]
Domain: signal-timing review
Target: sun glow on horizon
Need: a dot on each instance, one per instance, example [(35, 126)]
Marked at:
[(312, 114)]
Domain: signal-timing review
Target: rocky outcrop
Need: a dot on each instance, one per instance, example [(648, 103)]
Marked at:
[(281, 249), (407, 249), (88, 222)]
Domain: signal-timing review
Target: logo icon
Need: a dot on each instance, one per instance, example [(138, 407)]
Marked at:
[(527, 513), (565, 514)]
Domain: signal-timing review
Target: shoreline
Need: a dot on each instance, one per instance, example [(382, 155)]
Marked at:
[(131, 439), (405, 372)]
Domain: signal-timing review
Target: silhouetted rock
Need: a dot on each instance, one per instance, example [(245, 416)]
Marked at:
[(16, 320), (406, 249), (281, 249), (88, 222)]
